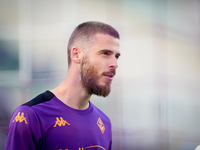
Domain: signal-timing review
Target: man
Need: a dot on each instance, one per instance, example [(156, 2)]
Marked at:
[(64, 118)]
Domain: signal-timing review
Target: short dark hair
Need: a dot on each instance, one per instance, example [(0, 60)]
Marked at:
[(85, 32)]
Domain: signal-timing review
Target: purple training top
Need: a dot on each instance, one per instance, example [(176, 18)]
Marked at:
[(46, 123)]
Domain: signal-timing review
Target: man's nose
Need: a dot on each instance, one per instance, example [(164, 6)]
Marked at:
[(113, 63)]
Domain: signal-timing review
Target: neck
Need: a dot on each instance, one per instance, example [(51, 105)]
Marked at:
[(71, 92)]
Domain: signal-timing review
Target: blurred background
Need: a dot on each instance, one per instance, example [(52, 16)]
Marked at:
[(155, 98)]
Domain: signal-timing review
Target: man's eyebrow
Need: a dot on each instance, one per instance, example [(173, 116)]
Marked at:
[(107, 50)]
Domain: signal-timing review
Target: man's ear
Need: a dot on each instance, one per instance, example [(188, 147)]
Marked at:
[(76, 55)]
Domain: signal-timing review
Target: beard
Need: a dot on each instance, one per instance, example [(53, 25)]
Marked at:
[(90, 77)]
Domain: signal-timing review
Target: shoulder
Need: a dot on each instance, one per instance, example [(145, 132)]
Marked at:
[(44, 97), (23, 122), (23, 117), (25, 113), (25, 125)]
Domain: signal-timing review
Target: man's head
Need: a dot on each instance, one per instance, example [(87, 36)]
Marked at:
[(83, 35), (97, 44)]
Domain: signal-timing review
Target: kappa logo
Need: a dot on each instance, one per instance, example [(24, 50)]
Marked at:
[(20, 118), (60, 122), (101, 125)]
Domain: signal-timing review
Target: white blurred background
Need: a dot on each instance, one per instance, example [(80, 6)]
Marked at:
[(155, 98)]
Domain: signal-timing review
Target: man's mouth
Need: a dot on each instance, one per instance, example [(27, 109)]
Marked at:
[(109, 75)]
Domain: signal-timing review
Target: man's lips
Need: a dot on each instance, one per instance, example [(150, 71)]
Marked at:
[(109, 75)]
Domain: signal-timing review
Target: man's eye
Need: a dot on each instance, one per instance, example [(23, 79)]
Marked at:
[(117, 56), (105, 53)]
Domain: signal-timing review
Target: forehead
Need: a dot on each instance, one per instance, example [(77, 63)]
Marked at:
[(106, 42)]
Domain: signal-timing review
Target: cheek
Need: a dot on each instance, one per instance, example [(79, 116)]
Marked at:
[(98, 65)]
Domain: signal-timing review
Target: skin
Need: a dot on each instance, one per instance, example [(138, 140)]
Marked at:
[(103, 54)]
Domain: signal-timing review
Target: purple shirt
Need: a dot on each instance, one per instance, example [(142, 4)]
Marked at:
[(46, 123)]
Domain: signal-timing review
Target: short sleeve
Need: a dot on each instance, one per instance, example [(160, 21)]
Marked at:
[(24, 131)]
